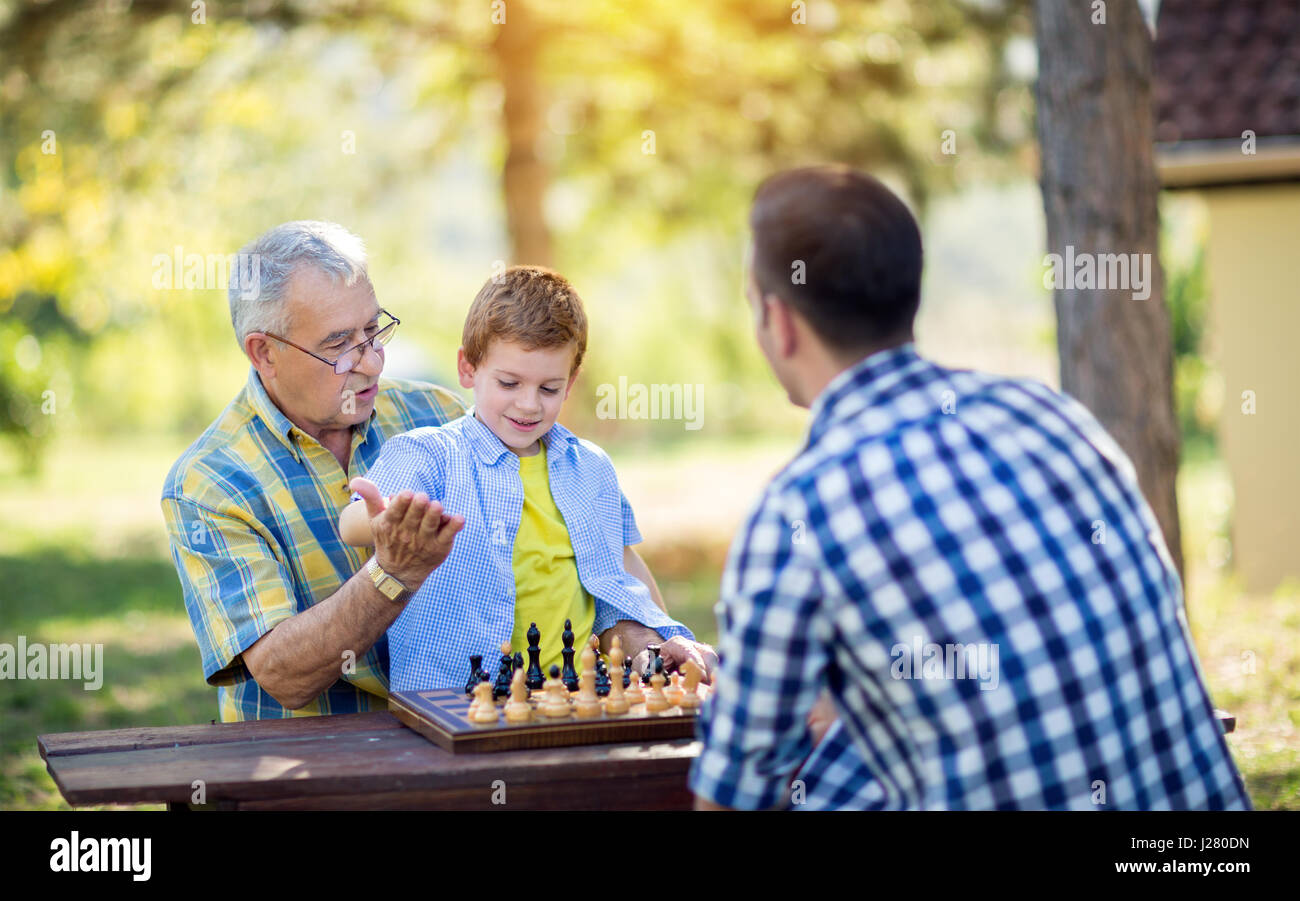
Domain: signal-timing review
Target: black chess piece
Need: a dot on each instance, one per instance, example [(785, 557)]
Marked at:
[(501, 688), (569, 675), (534, 679), (603, 684), (650, 664), (659, 668), (519, 663), (627, 673), (475, 666)]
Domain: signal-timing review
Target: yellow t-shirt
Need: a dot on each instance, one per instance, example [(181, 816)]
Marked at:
[(547, 589)]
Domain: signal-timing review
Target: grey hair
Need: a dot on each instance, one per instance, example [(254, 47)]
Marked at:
[(260, 276)]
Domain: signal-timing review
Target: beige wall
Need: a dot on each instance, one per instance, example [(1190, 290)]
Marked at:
[(1253, 263)]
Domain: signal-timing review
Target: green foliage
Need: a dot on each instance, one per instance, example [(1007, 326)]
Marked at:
[(128, 130)]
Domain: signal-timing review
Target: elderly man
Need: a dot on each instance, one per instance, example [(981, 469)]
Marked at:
[(929, 566), (289, 619)]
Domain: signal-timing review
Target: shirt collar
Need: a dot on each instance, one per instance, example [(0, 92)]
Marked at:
[(281, 426), (853, 389), (490, 448), (270, 414)]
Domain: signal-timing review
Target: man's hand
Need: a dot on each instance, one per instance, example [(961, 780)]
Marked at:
[(412, 533), (675, 652)]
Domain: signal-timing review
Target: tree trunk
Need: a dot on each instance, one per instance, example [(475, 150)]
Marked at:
[(1099, 186), (525, 177)]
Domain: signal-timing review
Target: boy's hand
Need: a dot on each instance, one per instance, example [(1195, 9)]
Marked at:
[(412, 533)]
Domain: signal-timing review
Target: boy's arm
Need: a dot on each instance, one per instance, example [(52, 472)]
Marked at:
[(354, 522), (635, 566), (354, 525)]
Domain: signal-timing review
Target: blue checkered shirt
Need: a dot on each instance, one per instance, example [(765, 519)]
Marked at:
[(467, 605), (966, 564)]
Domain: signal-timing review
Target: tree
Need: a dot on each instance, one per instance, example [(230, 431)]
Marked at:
[(1100, 190)]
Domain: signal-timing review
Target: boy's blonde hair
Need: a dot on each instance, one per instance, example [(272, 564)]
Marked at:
[(534, 306)]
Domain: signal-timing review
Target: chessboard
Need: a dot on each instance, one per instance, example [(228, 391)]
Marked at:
[(524, 710), (440, 715)]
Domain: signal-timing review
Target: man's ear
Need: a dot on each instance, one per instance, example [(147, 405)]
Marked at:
[(785, 331), (261, 352), (463, 369)]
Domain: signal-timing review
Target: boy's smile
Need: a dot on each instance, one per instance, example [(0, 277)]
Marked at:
[(518, 392)]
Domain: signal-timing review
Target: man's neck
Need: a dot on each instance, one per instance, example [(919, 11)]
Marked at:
[(825, 366), (337, 441)]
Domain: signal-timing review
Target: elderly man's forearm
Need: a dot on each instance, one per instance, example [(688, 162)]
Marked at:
[(304, 655)]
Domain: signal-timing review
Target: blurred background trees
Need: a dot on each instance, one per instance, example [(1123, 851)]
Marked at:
[(621, 149)]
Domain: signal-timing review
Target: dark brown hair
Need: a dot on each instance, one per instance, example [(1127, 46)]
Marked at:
[(855, 244)]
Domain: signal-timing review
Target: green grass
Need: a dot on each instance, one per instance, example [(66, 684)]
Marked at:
[(90, 565), (151, 669)]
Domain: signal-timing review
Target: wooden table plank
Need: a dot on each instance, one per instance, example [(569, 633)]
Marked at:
[(359, 761), (136, 738)]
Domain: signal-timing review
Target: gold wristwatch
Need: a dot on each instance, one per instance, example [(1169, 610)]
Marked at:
[(388, 586)]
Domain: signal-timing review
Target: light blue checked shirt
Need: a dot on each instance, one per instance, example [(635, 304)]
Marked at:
[(941, 510), (467, 605)]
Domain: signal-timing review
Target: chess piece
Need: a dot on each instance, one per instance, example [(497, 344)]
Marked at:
[(602, 674), (519, 663), (690, 695), (654, 699), (616, 704), (632, 690), (486, 709), (518, 710), (588, 702), (534, 678), (674, 691), (483, 678), (569, 675), (556, 703), (602, 678), (475, 664), (502, 686)]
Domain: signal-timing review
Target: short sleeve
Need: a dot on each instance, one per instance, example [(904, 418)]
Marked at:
[(235, 588), (411, 460)]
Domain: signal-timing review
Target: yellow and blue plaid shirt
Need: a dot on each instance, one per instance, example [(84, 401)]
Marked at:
[(252, 510)]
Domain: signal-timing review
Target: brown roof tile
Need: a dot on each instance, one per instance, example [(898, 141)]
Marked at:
[(1224, 66)]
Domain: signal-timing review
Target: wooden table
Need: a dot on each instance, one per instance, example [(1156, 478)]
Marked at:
[(363, 761)]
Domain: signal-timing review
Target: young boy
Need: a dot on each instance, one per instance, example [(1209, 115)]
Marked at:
[(547, 530)]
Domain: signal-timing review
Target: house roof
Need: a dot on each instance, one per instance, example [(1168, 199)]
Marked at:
[(1224, 66), (1221, 68)]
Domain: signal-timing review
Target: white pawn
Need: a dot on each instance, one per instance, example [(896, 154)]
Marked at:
[(634, 693), (556, 703), (674, 691), (655, 700)]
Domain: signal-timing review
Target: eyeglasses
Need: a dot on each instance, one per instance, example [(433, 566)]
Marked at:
[(349, 359)]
